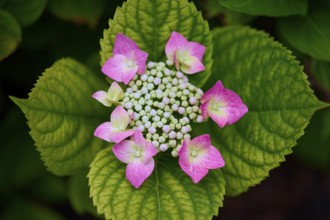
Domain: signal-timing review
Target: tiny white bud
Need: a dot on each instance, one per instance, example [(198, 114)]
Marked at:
[(144, 77), (141, 101), (142, 113), (144, 90), (172, 134), (138, 108), (174, 153), (155, 136), (184, 103), (172, 143), (153, 72), (179, 74), (151, 65), (148, 136), (159, 74), (156, 118), (128, 105), (136, 116), (145, 118), (153, 112), (147, 108), (181, 110), (179, 135), (161, 139), (161, 105), (155, 143), (175, 107), (147, 124), (192, 100), (178, 126), (166, 129), (152, 130), (164, 120), (159, 124), (169, 62), (163, 147), (195, 108), (199, 119), (192, 116)]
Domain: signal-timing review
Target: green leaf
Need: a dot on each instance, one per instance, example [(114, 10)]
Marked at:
[(310, 34), (77, 11), (267, 7), (167, 194), (313, 147), (228, 16), (26, 12), (78, 194), (150, 23), (62, 116), (273, 86), (321, 73), (10, 35)]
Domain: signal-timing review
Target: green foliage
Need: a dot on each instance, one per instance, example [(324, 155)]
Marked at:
[(321, 72), (313, 147), (26, 12), (10, 35), (280, 103), (167, 194), (267, 7), (63, 116), (311, 33), (78, 193), (150, 24), (77, 11), (229, 17)]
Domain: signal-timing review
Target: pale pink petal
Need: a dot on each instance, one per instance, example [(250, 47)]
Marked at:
[(204, 109), (137, 172), (102, 97), (140, 58), (176, 42), (104, 131), (124, 151), (184, 153), (116, 67), (121, 135), (139, 139), (219, 117), (115, 92), (191, 65), (197, 50), (213, 159), (201, 142), (236, 108), (119, 118), (212, 92), (195, 171), (129, 74), (124, 45), (149, 152)]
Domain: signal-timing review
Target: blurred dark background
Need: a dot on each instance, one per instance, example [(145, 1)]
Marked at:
[(298, 189)]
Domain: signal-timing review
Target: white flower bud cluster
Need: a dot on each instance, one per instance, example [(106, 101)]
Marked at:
[(162, 104)]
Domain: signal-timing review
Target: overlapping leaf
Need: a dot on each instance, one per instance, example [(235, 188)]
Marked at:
[(309, 34), (63, 116), (280, 103), (151, 22), (167, 194), (267, 7), (10, 35)]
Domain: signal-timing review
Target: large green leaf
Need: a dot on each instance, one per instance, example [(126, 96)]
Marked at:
[(150, 24), (167, 194), (310, 34), (87, 11), (268, 7), (63, 116), (10, 35), (26, 12), (280, 103)]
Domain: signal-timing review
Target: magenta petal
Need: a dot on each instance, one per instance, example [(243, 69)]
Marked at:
[(102, 97), (220, 119), (140, 58), (197, 50), (129, 74), (149, 152), (212, 92), (213, 159), (139, 139), (204, 109), (124, 45), (119, 118), (115, 67), (176, 42), (124, 151), (192, 65), (184, 153), (119, 136), (104, 131), (195, 171), (202, 141), (137, 172)]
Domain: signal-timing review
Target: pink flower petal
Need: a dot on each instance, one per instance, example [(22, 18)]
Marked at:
[(195, 171), (137, 172), (119, 118), (184, 153), (115, 92), (124, 45), (213, 159), (191, 65), (124, 151), (102, 97), (224, 106), (197, 50), (121, 135), (140, 58), (104, 131), (176, 42), (139, 139), (201, 142), (120, 68)]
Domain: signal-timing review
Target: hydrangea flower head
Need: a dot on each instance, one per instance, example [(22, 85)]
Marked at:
[(158, 107), (127, 60)]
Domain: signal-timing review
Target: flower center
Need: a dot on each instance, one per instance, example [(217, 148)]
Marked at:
[(162, 104), (193, 153), (130, 63), (137, 154)]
